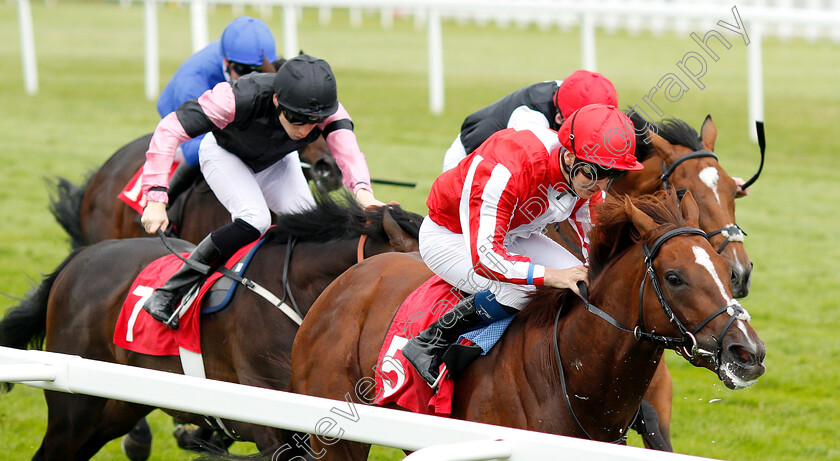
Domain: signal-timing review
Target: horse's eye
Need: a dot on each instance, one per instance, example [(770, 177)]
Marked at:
[(673, 279)]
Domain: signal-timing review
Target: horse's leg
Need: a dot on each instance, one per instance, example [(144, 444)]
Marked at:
[(82, 424), (70, 419), (660, 394)]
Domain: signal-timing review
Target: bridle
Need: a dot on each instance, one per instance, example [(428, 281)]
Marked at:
[(685, 344), (732, 232)]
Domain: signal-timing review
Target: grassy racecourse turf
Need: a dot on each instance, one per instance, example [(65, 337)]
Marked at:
[(90, 62)]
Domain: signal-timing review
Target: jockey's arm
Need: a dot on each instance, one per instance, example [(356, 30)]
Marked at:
[(215, 108), (338, 132)]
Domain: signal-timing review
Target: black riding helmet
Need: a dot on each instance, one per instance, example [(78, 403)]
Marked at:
[(305, 85)]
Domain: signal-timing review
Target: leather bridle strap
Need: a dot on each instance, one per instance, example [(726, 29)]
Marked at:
[(667, 172), (360, 251), (732, 233)]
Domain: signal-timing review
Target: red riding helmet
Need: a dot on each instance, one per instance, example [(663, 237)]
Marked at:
[(602, 135), (582, 88)]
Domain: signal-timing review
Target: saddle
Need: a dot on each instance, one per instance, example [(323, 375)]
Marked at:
[(397, 381), (137, 331)]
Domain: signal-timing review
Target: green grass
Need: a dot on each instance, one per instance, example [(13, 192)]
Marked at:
[(90, 61)]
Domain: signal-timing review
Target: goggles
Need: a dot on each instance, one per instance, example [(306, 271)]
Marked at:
[(299, 119), (595, 172), (243, 69)]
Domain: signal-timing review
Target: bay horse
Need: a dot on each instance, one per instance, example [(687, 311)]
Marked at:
[(248, 342), (559, 368), (91, 212), (677, 157)]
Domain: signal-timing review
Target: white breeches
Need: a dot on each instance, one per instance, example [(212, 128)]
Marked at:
[(447, 255), (454, 154), (281, 188)]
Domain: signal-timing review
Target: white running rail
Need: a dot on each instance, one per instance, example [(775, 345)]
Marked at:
[(432, 438)]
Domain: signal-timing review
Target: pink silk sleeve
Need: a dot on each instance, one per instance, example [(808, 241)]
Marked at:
[(349, 158), (169, 134)]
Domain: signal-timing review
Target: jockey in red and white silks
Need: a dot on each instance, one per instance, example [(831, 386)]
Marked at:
[(484, 235), (487, 215)]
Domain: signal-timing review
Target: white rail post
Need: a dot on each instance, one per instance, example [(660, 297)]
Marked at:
[(27, 48), (290, 38), (198, 24), (755, 80), (152, 55), (435, 62), (587, 42)]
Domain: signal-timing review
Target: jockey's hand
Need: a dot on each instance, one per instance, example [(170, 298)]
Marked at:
[(366, 198), (155, 217), (566, 278), (740, 192)]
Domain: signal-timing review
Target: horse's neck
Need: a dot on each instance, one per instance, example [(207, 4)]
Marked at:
[(313, 266), (606, 370), (643, 182)]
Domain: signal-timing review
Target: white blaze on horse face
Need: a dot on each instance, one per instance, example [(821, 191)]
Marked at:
[(710, 178), (702, 258)]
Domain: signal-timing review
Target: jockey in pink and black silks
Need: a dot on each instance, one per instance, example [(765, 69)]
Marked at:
[(484, 234), (544, 104), (252, 126)]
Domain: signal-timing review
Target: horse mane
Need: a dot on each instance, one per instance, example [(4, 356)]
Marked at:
[(678, 132), (611, 237), (338, 217), (644, 148), (673, 130)]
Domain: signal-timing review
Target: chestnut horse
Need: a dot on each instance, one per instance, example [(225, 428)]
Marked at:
[(248, 342), (563, 366), (678, 158), (92, 212)]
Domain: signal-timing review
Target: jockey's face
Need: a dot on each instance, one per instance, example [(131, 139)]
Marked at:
[(294, 128), (584, 186)]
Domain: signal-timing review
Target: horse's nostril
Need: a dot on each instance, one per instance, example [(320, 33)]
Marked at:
[(742, 355)]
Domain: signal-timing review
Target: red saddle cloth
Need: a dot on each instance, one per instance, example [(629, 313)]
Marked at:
[(137, 331), (133, 196), (396, 380)]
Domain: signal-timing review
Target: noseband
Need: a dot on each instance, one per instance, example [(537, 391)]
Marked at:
[(685, 345), (732, 232)]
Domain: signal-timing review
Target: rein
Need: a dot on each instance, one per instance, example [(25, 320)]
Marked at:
[(292, 313), (732, 232), (680, 344)]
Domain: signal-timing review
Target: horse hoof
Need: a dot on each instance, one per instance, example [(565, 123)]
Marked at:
[(135, 450)]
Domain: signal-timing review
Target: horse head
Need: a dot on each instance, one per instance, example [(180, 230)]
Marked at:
[(688, 163), (686, 304)]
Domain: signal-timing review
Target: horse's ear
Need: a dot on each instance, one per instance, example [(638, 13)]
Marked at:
[(708, 134), (401, 240), (690, 210), (662, 148), (643, 222)]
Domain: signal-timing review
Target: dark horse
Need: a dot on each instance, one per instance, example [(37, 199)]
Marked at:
[(559, 368), (92, 212), (244, 343)]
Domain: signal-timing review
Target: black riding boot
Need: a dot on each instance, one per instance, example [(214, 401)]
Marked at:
[(181, 180), (424, 350), (161, 305)]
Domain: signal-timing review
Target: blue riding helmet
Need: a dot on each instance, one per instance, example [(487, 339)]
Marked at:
[(247, 40)]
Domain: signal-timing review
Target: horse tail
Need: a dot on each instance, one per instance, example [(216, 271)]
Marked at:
[(66, 207), (24, 325)]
